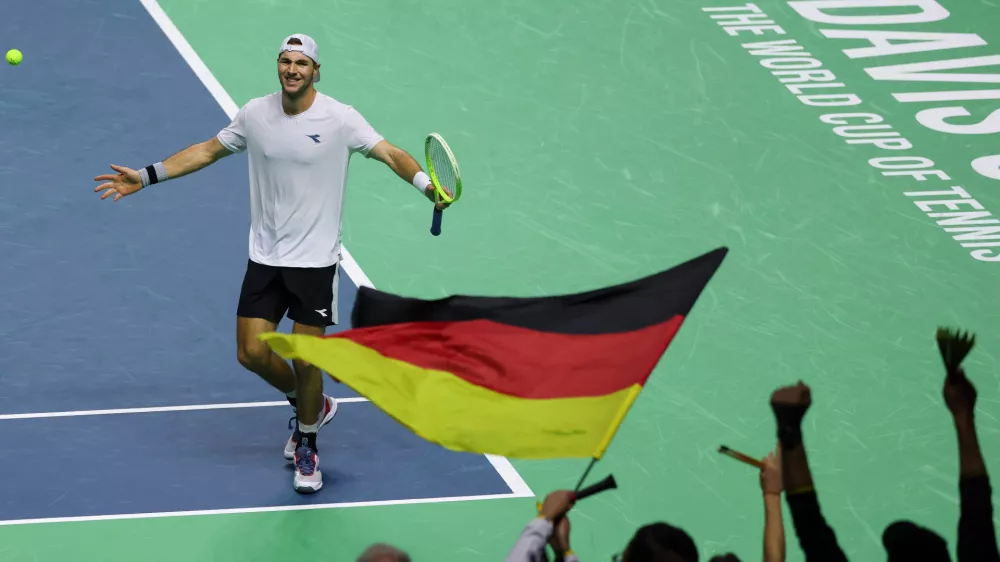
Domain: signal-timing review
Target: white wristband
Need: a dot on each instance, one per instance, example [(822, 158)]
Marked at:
[(154, 173), (421, 181)]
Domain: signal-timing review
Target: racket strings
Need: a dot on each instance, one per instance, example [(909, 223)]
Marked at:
[(443, 170)]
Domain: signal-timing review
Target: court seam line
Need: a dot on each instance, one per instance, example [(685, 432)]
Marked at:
[(241, 510), (503, 466), (158, 409)]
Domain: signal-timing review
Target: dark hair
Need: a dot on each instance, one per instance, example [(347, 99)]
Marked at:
[(661, 542), (379, 550), (906, 541), (730, 557)]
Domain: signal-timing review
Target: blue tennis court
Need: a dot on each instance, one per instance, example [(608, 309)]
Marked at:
[(121, 394)]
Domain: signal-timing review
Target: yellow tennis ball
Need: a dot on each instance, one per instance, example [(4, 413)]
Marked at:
[(14, 57)]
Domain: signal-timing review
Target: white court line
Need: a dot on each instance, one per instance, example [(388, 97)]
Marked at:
[(517, 485), (188, 408), (502, 465), (252, 510)]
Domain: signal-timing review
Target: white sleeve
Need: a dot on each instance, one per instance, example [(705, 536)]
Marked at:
[(234, 137), (530, 545), (361, 137)]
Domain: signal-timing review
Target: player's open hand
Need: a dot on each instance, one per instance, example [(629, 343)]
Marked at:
[(125, 182)]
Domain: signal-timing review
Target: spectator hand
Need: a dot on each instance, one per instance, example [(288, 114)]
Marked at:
[(557, 504), (559, 541), (790, 404), (770, 476), (959, 394)]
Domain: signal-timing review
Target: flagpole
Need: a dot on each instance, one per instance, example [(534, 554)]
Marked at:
[(585, 473)]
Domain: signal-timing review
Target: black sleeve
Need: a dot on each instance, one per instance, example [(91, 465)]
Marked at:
[(977, 539), (816, 538)]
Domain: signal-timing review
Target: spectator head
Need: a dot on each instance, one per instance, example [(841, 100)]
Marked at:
[(660, 542), (725, 558), (383, 553), (905, 541)]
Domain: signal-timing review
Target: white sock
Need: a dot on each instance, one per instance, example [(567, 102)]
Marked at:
[(314, 428)]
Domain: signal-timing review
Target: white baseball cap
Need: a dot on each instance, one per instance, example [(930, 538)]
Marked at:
[(307, 48)]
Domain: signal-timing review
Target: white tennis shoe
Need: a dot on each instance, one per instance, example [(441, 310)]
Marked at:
[(308, 478)]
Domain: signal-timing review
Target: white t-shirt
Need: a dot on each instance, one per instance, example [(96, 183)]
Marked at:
[(298, 171)]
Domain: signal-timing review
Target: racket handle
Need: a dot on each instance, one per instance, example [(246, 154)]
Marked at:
[(436, 221)]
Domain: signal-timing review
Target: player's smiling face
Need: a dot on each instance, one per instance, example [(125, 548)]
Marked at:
[(295, 71)]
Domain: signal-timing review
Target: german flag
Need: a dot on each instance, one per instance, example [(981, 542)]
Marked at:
[(540, 377)]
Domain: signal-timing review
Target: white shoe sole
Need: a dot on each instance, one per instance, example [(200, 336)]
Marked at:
[(290, 455), (308, 487)]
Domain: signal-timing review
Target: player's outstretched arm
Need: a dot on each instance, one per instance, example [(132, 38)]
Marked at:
[(128, 181), (405, 166)]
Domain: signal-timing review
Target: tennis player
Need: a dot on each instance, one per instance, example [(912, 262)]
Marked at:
[(299, 143)]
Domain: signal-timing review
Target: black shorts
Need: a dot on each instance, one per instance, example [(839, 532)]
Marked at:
[(307, 294)]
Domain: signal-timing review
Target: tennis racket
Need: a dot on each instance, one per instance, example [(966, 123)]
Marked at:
[(443, 171)]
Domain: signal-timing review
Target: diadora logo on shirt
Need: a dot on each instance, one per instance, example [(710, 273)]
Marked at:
[(315, 138)]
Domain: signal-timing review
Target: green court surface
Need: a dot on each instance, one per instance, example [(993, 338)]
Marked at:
[(601, 141)]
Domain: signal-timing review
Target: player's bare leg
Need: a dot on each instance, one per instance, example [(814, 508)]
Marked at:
[(308, 381), (314, 411), (258, 357)]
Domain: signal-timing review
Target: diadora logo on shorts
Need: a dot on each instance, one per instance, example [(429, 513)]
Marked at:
[(322, 312), (315, 138)]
